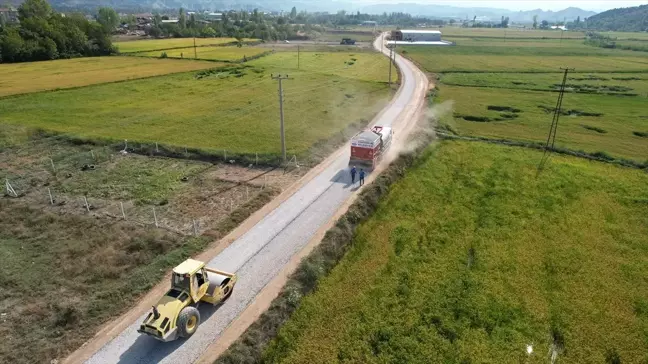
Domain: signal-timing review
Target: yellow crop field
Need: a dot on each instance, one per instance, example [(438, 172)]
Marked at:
[(211, 53), (20, 78), (159, 44)]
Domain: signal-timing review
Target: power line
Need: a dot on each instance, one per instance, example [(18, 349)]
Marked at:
[(553, 129)]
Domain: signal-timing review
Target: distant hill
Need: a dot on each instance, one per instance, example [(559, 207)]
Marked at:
[(633, 19), (446, 11), (435, 11)]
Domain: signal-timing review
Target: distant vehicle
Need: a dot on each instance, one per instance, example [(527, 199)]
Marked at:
[(176, 313), (370, 146), (286, 41), (348, 41)]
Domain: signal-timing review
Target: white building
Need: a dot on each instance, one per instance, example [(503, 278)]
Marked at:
[(417, 35)]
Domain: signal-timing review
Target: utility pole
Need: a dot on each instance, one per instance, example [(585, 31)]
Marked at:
[(280, 78), (390, 65), (553, 129), (298, 57), (195, 52)]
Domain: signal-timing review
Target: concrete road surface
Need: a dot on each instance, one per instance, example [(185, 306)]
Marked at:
[(259, 254)]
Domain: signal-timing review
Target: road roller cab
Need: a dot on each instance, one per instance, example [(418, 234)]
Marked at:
[(176, 313)]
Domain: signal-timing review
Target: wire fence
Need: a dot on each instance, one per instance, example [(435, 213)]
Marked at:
[(55, 177)]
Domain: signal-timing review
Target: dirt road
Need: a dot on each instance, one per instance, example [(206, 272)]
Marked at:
[(260, 254)]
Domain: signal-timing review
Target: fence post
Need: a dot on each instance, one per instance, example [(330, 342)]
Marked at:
[(231, 205), (224, 155), (125, 145), (155, 218), (247, 193), (85, 200), (256, 159), (195, 227), (50, 196), (121, 204), (53, 168), (93, 156), (157, 150)]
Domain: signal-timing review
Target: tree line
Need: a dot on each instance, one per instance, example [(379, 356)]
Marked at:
[(43, 34)]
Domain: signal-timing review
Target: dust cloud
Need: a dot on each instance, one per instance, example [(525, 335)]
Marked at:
[(422, 132)]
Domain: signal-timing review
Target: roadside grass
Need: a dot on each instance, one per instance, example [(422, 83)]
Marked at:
[(210, 53), (606, 83), (619, 116), (473, 256), (170, 43), (233, 109), (20, 78)]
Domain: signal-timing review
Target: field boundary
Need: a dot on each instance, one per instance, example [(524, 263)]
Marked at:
[(228, 44), (237, 61), (596, 156)]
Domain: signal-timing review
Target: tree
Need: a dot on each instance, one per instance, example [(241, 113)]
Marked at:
[(182, 18), (578, 20), (293, 13), (535, 22), (34, 9), (544, 25), (192, 21), (505, 22), (108, 18)]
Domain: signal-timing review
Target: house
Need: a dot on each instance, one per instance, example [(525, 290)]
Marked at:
[(369, 23), (214, 16), (9, 14)]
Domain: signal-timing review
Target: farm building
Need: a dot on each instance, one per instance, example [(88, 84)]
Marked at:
[(416, 35)]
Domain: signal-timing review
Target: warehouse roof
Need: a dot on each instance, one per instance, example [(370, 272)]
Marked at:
[(420, 31)]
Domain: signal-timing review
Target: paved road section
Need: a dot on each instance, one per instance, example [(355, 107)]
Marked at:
[(260, 254)]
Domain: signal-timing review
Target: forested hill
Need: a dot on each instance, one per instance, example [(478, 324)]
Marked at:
[(633, 19)]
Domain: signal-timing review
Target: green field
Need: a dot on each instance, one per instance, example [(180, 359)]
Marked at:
[(210, 53), (509, 33), (170, 43), (365, 36), (487, 78), (19, 78), (234, 109), (473, 256)]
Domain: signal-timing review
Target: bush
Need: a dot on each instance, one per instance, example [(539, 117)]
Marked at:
[(164, 55)]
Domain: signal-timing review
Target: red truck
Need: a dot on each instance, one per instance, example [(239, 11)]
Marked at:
[(369, 146)]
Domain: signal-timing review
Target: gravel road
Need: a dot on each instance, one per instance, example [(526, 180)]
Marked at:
[(259, 255)]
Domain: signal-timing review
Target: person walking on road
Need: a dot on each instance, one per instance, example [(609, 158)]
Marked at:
[(353, 174), (362, 175)]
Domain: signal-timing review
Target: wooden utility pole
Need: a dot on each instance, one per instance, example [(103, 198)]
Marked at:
[(195, 51), (280, 78), (298, 57)]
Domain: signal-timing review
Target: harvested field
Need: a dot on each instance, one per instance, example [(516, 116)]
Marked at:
[(67, 73)]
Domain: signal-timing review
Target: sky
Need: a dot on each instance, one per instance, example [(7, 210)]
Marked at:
[(594, 5)]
